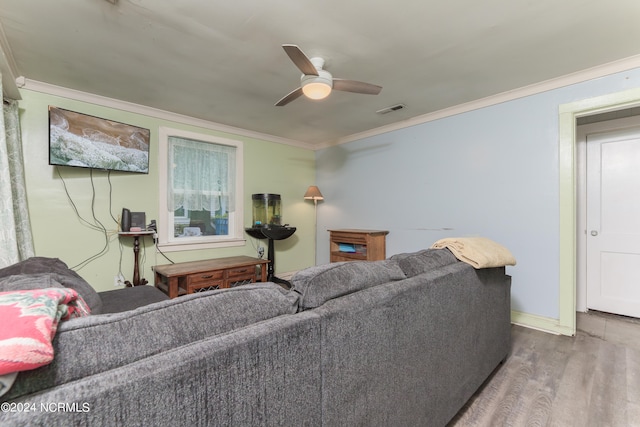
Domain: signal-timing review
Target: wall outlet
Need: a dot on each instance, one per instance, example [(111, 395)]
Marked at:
[(118, 280), (260, 252)]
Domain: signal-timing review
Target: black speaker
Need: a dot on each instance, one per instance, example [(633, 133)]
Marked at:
[(125, 220), (138, 220)]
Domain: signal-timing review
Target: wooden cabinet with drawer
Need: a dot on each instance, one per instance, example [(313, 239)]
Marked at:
[(198, 276), (240, 276), (204, 281), (357, 245)]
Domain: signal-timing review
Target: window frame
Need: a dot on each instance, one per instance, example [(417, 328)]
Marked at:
[(166, 240)]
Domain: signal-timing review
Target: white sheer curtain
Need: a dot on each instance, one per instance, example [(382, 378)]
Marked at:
[(202, 175), (16, 242)]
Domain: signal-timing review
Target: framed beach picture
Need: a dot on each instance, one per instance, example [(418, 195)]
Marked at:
[(85, 141)]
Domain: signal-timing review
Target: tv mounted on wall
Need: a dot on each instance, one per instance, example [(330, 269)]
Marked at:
[(80, 140)]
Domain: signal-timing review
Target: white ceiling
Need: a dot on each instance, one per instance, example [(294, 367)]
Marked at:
[(222, 61)]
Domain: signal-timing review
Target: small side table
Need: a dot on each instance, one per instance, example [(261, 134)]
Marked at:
[(272, 232), (137, 280)]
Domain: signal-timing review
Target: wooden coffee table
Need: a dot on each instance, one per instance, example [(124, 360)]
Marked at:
[(197, 276)]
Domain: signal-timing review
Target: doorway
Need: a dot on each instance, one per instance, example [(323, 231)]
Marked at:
[(568, 114), (608, 208)]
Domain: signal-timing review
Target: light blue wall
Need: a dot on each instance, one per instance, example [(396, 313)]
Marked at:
[(491, 172)]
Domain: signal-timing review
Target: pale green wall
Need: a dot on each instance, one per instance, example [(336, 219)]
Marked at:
[(268, 168)]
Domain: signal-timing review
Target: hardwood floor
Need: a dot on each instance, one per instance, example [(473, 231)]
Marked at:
[(592, 379)]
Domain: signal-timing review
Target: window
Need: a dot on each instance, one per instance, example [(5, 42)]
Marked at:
[(200, 191)]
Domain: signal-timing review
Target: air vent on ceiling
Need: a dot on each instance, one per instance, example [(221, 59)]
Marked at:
[(391, 108)]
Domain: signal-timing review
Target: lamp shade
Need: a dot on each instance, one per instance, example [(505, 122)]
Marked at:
[(313, 193)]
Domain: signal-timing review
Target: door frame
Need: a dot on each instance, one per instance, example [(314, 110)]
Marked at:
[(581, 197), (568, 210)]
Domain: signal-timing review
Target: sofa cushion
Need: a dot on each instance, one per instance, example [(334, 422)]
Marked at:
[(94, 344), (425, 260), (318, 284), (61, 273), (125, 299)]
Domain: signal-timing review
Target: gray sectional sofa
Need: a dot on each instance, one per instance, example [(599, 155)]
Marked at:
[(400, 342)]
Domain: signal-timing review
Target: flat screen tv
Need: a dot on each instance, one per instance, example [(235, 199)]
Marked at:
[(80, 140)]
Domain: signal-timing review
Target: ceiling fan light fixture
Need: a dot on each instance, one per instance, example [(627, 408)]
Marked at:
[(317, 87), (316, 83), (316, 90)]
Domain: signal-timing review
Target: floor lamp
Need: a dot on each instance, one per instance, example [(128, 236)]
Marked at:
[(313, 193)]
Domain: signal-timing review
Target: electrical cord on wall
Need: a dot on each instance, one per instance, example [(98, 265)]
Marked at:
[(73, 205), (121, 247), (258, 249), (162, 253), (154, 226), (143, 258), (111, 200), (96, 225)]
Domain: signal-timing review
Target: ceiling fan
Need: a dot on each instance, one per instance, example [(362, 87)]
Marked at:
[(317, 83)]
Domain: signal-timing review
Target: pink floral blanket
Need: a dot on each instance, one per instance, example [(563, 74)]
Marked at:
[(28, 322)]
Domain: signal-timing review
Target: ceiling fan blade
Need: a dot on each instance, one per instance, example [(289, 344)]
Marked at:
[(356, 86), (300, 59), (291, 96)]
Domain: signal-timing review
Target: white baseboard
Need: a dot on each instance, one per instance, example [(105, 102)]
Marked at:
[(541, 323)]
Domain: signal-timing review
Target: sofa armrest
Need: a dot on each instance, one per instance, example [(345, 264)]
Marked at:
[(37, 268)]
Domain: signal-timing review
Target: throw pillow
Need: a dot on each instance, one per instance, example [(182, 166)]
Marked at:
[(422, 261)]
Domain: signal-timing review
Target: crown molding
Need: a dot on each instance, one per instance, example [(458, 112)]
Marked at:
[(37, 86), (547, 85)]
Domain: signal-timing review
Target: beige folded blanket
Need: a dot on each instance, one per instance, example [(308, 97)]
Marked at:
[(480, 252)]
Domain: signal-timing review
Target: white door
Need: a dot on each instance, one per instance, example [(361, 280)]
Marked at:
[(613, 222)]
